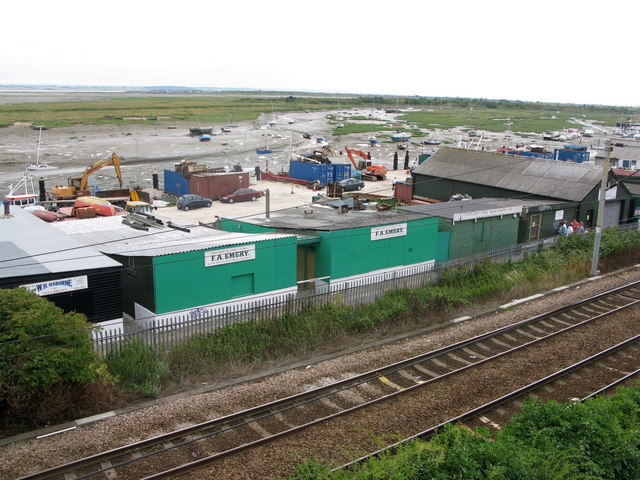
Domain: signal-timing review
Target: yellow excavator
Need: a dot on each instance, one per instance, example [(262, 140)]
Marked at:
[(77, 186)]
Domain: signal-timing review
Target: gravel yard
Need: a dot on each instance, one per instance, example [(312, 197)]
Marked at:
[(186, 409)]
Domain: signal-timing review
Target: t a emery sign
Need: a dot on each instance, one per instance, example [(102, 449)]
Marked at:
[(389, 231), (229, 255)]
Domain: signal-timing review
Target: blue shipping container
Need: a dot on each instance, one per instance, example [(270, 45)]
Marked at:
[(323, 173), (175, 183), (571, 155)]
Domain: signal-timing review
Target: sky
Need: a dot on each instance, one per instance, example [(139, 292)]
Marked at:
[(582, 52)]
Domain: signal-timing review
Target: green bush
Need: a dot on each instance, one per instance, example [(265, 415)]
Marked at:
[(40, 345), (139, 368)]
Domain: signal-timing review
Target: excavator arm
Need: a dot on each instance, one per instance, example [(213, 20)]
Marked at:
[(112, 160), (360, 153)]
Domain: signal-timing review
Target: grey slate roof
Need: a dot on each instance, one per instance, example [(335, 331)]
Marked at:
[(31, 246), (110, 235), (484, 207), (549, 178), (629, 150), (326, 218)]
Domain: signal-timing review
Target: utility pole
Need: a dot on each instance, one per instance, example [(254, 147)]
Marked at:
[(601, 203)]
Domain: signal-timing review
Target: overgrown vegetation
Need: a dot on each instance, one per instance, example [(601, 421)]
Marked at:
[(597, 439), (57, 361)]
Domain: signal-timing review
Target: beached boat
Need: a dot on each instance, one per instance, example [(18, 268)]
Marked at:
[(431, 142), (401, 136), (372, 141), (204, 138), (40, 166), (196, 132), (100, 205), (22, 193), (266, 151)]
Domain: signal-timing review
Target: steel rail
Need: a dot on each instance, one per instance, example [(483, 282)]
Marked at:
[(251, 415)]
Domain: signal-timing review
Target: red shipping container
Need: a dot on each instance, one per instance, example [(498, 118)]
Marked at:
[(214, 185)]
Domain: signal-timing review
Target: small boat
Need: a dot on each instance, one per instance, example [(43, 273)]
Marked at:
[(40, 166), (373, 141), (401, 136), (100, 205), (306, 135), (204, 138), (196, 132), (340, 125), (48, 216), (22, 193), (266, 151), (472, 133), (172, 127), (431, 142), (225, 129)]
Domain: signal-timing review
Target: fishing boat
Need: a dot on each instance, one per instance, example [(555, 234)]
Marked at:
[(22, 193), (401, 136), (40, 166), (100, 205)]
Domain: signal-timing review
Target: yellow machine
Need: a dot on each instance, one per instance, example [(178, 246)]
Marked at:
[(80, 184)]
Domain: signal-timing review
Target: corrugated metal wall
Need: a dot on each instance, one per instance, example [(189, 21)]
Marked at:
[(214, 185), (175, 183)]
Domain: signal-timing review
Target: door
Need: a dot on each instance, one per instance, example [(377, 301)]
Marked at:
[(306, 266), (535, 222)]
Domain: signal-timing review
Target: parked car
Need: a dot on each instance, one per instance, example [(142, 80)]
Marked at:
[(242, 195), (187, 202), (349, 184)]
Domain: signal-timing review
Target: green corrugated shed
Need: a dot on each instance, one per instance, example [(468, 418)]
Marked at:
[(349, 244), (467, 227)]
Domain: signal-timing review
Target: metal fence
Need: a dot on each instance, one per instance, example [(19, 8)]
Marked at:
[(163, 333)]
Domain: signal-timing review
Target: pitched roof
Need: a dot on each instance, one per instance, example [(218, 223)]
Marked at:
[(30, 246), (548, 178), (110, 235), (476, 208)]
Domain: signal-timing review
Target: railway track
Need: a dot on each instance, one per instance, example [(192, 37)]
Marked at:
[(607, 369), (183, 450)]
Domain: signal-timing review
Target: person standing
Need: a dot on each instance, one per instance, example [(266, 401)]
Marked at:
[(563, 228), (580, 228), (569, 229), (575, 224)]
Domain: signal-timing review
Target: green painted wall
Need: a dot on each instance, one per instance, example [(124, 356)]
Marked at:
[(343, 253), (183, 281), (474, 236)]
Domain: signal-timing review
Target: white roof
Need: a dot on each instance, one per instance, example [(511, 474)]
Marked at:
[(110, 235)]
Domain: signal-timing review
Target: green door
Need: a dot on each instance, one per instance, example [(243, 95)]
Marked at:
[(242, 285)]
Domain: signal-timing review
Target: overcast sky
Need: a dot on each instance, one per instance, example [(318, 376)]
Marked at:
[(548, 51)]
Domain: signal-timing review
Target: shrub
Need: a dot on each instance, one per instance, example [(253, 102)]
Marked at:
[(40, 345)]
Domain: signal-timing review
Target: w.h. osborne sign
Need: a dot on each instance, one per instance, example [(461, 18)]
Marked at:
[(389, 231), (229, 255)]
